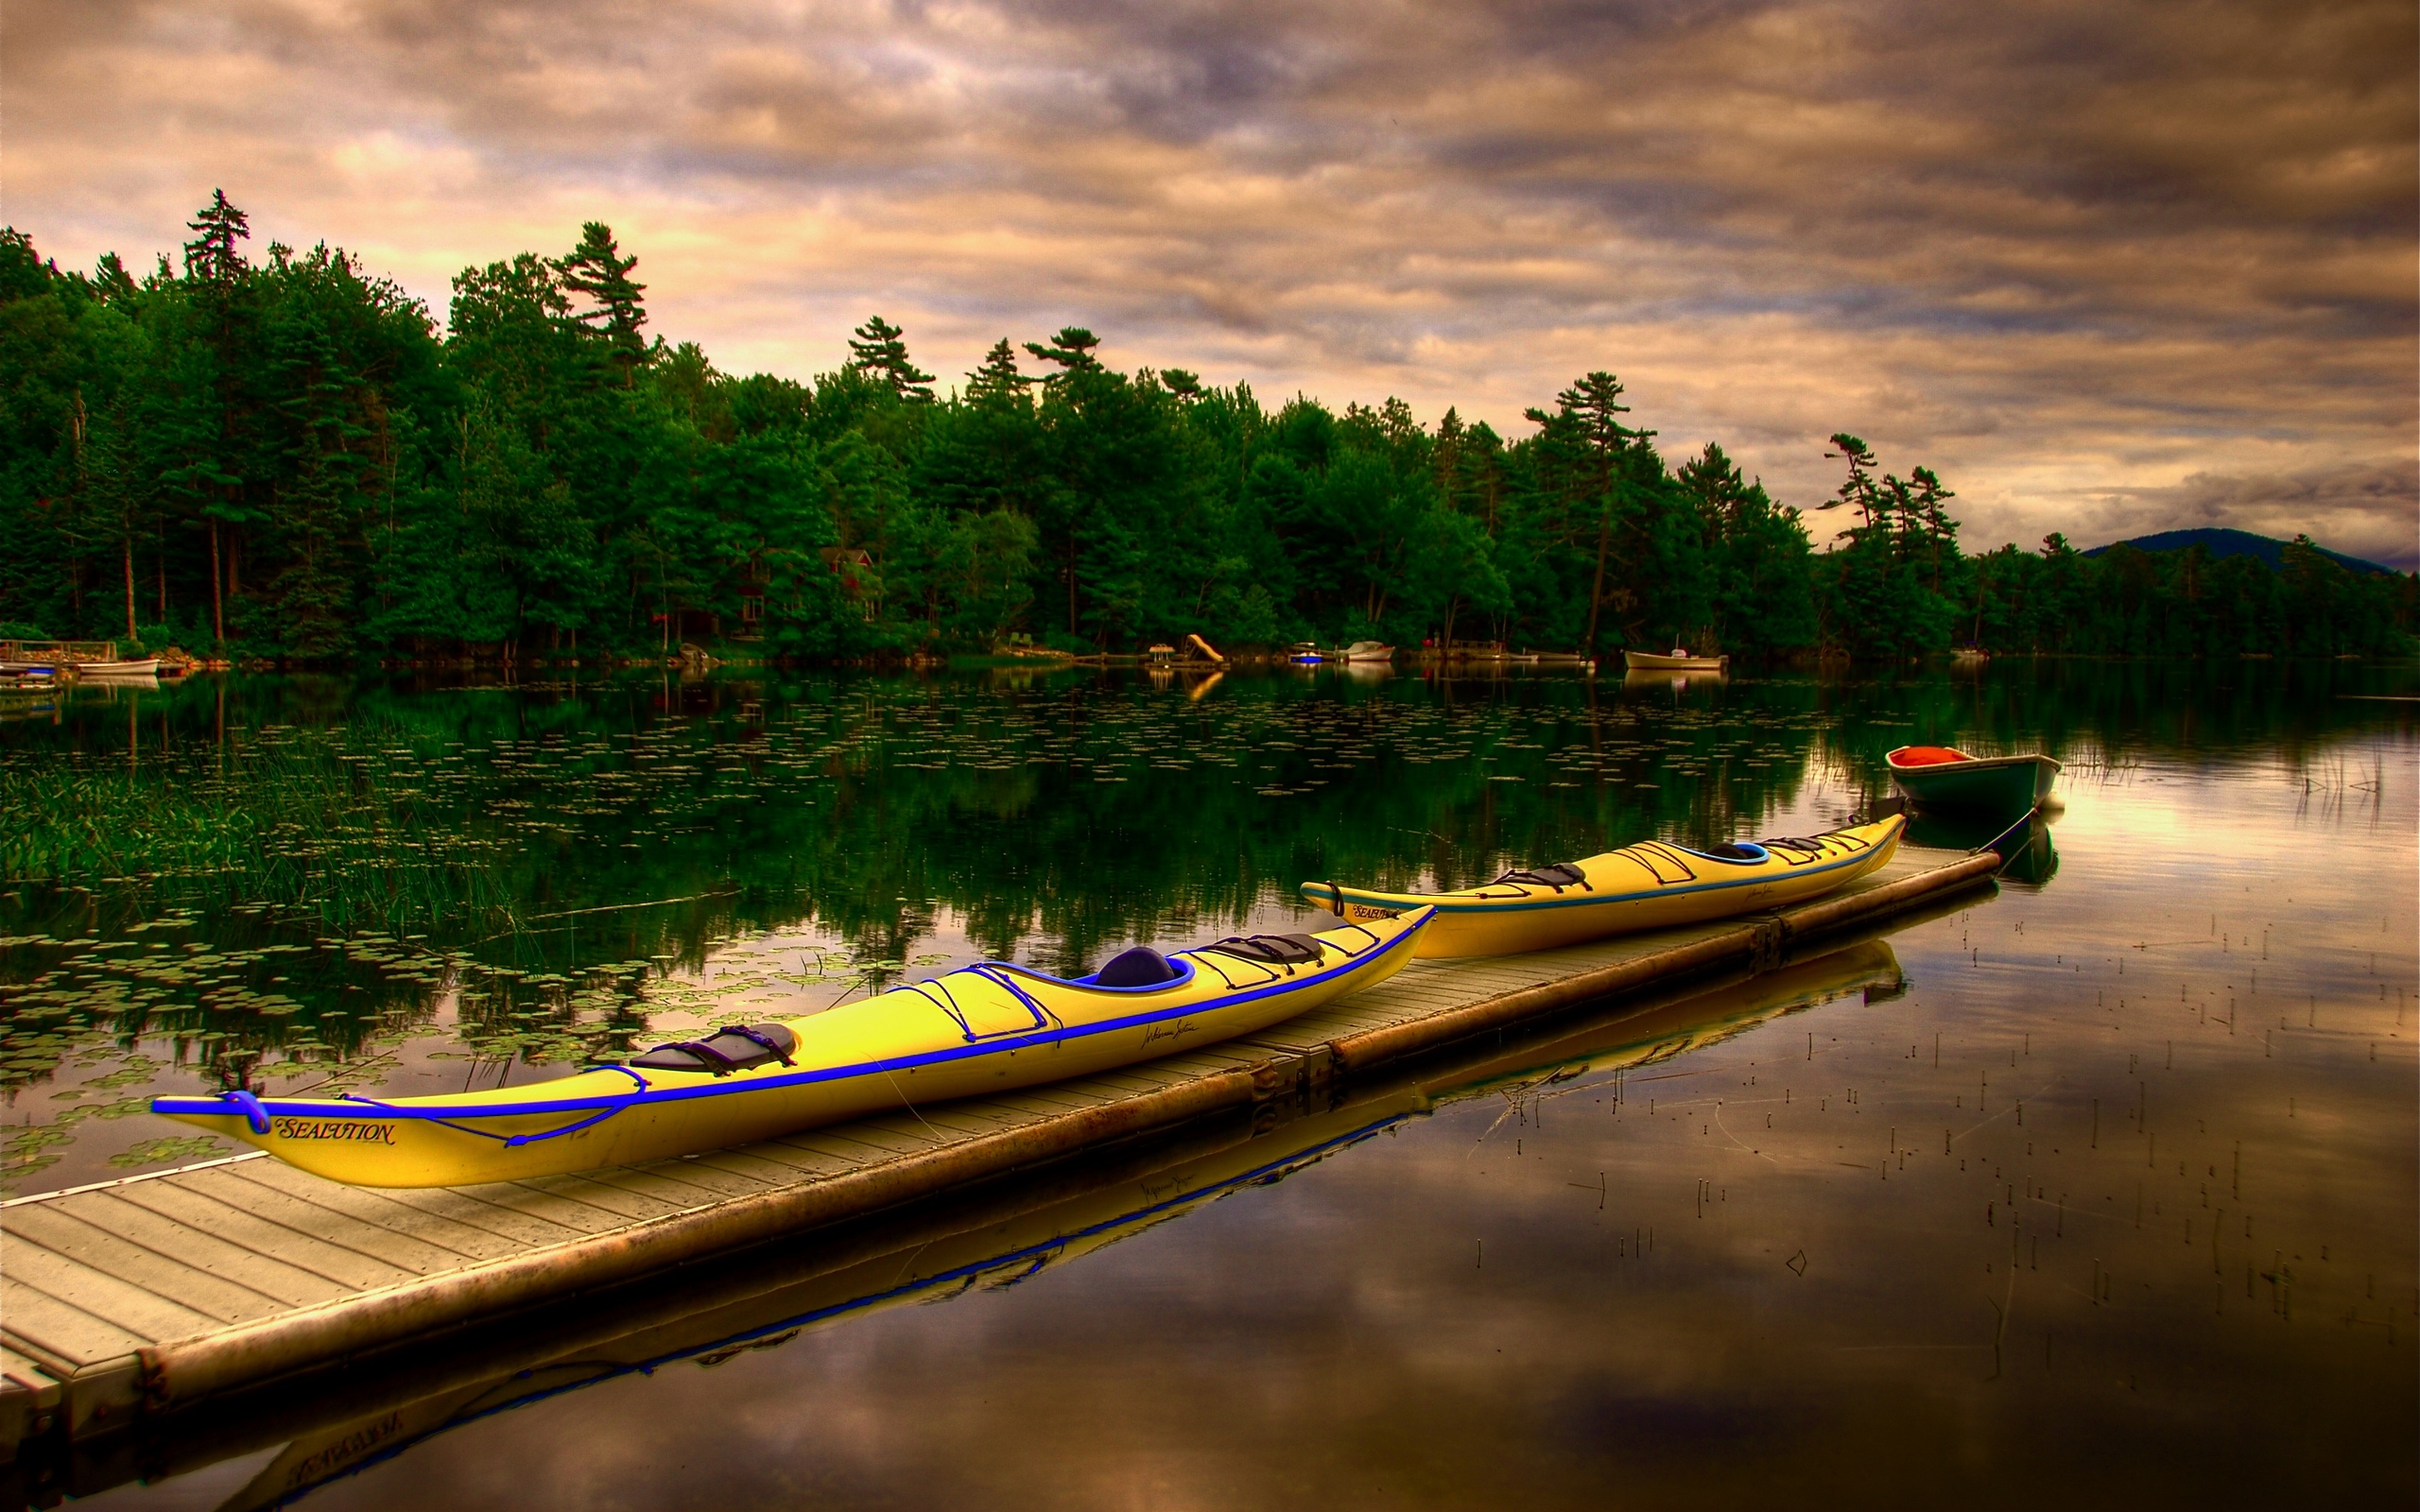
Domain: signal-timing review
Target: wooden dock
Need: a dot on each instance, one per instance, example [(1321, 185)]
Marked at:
[(142, 1301)]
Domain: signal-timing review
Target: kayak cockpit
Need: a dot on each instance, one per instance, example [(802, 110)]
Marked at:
[(1137, 968), (1136, 965), (1737, 852)]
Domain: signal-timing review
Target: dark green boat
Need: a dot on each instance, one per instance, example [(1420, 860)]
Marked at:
[(1944, 777)]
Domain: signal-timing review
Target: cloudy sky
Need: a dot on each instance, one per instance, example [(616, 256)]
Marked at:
[(2109, 266)]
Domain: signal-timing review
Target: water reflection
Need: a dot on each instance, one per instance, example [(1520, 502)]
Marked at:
[(2024, 843), (415, 883)]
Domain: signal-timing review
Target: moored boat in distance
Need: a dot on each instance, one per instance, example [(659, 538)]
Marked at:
[(148, 667), (1944, 777), (991, 1027), (1366, 652), (1677, 659), (1654, 885)]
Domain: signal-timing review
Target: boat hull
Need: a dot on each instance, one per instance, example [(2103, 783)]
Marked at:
[(1653, 885), (1992, 785), (1652, 662), (985, 1029)]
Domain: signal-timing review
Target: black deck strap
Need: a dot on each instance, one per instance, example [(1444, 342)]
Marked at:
[(1558, 876), (1269, 949), (762, 1035), (706, 1055)]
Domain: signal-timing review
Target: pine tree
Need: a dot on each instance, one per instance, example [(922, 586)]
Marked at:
[(875, 348), (1857, 488), (997, 380), (212, 257), (1071, 350), (1585, 419), (111, 280), (598, 269), (1928, 515)]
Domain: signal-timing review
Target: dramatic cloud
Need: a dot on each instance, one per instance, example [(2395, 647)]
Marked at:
[(2084, 259)]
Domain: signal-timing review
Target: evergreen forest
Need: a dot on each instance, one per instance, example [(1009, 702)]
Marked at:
[(271, 453)]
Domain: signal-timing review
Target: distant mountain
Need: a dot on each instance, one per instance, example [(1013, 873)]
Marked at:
[(2221, 543)]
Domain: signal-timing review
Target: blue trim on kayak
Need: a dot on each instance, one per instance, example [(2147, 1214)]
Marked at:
[(1447, 903), (617, 1101)]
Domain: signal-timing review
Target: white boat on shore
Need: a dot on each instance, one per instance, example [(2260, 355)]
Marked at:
[(1677, 659)]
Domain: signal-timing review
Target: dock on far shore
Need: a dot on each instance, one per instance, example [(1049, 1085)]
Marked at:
[(166, 1297)]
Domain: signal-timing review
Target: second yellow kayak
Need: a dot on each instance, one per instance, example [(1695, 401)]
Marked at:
[(1653, 885)]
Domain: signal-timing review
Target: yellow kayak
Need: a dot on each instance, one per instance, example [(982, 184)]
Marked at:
[(987, 1029), (1650, 885)]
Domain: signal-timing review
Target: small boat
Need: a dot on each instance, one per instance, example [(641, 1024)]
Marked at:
[(1677, 659), (148, 667), (991, 1028), (1944, 777), (1306, 652), (1366, 652), (1654, 885)]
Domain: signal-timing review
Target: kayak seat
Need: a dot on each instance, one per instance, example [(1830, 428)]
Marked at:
[(733, 1047), (1270, 949), (1558, 876), (1141, 965)]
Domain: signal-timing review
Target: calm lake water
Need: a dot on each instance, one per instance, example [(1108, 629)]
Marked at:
[(2106, 1188)]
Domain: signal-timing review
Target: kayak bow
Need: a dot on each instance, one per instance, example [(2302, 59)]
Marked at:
[(1653, 885), (990, 1027)]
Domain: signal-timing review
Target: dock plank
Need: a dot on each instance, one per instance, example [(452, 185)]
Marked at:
[(64, 1235), (927, 1128), (63, 1332), (755, 1162), (291, 1284), (799, 1165), (464, 1205), (263, 1236), (123, 1306), (27, 1375), (834, 1144), (677, 1185), (405, 1251), (554, 1208), (377, 1208), (625, 1205)]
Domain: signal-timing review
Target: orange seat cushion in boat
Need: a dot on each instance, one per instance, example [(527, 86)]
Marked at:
[(1927, 755)]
